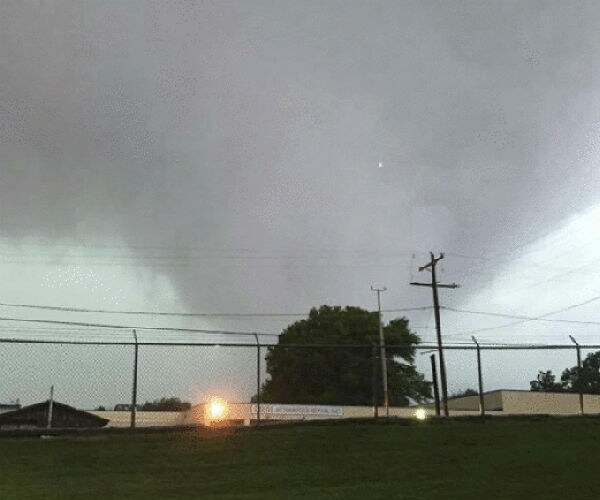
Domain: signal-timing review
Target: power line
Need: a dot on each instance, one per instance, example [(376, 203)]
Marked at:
[(533, 266), (501, 256), (188, 264), (573, 270), (129, 327), (182, 314), (546, 234), (124, 327), (537, 318), (215, 254), (217, 251), (525, 318), (549, 336), (407, 309)]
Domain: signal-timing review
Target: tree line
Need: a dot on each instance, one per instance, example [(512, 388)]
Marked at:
[(585, 379)]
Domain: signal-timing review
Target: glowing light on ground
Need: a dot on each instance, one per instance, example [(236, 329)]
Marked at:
[(421, 414), (217, 409)]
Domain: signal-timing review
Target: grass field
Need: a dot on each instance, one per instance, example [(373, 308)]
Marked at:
[(503, 459)]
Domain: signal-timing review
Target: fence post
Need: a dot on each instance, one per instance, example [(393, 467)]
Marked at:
[(578, 348), (257, 379), (436, 391), (50, 407), (135, 376), (479, 380), (374, 381)]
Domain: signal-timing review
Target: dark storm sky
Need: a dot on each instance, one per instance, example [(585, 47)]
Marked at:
[(223, 156)]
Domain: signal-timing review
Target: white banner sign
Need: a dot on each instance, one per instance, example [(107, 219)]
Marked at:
[(269, 410)]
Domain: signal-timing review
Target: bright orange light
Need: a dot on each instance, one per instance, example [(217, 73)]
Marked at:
[(217, 408)]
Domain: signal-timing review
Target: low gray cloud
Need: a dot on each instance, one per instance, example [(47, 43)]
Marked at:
[(249, 134)]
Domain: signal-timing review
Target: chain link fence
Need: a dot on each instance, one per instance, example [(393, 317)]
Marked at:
[(102, 375)]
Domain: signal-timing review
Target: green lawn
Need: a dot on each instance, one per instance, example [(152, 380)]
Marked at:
[(503, 459)]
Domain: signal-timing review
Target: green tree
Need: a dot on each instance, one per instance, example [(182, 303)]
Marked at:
[(339, 369), (546, 382), (166, 404), (574, 379), (586, 379)]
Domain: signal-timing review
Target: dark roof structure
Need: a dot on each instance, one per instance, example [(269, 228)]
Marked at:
[(4, 407), (35, 416)]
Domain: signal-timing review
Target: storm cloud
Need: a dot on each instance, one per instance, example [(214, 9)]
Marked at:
[(232, 148)]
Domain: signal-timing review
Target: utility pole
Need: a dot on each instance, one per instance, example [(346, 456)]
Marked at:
[(580, 372), (436, 306), (384, 378)]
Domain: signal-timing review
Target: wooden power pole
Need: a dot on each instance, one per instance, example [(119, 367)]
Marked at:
[(431, 265)]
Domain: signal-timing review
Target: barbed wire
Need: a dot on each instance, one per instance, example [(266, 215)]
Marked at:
[(422, 346)]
